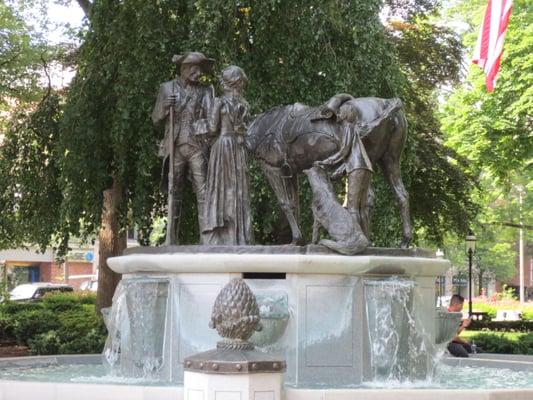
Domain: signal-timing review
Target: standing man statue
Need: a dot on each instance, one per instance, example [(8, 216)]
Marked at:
[(183, 105)]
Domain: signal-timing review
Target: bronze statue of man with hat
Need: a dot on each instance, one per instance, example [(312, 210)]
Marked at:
[(183, 105)]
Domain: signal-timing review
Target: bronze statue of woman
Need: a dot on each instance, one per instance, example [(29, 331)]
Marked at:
[(227, 215)]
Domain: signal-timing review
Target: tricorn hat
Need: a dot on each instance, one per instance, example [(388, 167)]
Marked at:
[(194, 57)]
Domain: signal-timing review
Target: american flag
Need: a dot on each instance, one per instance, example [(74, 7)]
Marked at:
[(489, 48)]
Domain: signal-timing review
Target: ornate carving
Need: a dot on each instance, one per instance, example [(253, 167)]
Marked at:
[(235, 316)]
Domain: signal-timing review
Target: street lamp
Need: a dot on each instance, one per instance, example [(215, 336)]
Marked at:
[(470, 250)]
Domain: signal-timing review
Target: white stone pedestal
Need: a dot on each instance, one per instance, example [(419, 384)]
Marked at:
[(208, 386)]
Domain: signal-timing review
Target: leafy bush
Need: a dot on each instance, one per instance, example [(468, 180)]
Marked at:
[(498, 343), (6, 327), (92, 342), (31, 323), (16, 307), (494, 343), (44, 343), (79, 331), (59, 323), (60, 302), (525, 344), (502, 326)]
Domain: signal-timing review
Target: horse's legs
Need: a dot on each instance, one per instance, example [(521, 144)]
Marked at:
[(357, 197), (390, 166), (286, 191), (368, 211), (316, 228)]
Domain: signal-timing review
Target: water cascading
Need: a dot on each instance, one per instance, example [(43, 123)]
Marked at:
[(137, 324), (399, 348)]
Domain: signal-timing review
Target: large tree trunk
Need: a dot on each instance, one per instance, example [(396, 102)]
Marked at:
[(112, 243)]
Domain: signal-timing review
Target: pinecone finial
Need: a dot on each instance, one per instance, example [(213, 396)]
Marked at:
[(235, 316)]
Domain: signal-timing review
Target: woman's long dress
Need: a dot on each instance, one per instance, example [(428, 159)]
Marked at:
[(227, 199)]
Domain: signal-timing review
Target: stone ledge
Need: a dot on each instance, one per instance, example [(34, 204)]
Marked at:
[(333, 264)]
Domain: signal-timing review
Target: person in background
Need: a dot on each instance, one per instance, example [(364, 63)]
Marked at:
[(459, 347)]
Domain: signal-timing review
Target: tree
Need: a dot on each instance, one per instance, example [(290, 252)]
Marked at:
[(106, 121), (21, 58), (493, 131), (29, 189), (439, 189), (292, 51), (29, 133)]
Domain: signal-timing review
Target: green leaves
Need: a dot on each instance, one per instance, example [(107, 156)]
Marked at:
[(494, 130)]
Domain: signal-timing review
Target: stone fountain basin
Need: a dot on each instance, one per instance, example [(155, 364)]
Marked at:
[(22, 390), (312, 301)]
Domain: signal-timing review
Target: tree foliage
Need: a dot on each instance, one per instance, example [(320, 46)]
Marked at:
[(440, 191), (494, 130), (29, 176), (293, 51), (21, 56)]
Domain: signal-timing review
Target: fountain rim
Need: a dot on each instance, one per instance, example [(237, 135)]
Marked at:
[(277, 259)]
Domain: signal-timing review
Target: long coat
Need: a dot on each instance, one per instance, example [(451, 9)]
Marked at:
[(160, 115)]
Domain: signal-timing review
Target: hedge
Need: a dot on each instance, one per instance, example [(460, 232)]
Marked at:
[(502, 326), (62, 323), (498, 343)]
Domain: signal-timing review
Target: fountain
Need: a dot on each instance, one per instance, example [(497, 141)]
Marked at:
[(348, 320), (346, 326)]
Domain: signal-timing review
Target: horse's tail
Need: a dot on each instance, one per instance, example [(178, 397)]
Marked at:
[(399, 120)]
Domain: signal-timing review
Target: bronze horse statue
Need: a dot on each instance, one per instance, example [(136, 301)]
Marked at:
[(287, 140)]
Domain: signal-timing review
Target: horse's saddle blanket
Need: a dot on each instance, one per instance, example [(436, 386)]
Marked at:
[(303, 120)]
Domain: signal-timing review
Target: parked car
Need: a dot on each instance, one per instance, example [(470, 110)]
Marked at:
[(91, 285), (34, 291)]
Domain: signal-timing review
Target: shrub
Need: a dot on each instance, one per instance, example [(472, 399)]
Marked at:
[(61, 302), (78, 331), (44, 343), (494, 343), (30, 323), (525, 344), (7, 332), (499, 343), (68, 301), (502, 326), (58, 323), (90, 343), (16, 307)]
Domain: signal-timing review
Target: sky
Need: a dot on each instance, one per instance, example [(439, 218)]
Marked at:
[(61, 18), (60, 15)]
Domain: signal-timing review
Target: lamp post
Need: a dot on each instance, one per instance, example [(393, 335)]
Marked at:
[(470, 250)]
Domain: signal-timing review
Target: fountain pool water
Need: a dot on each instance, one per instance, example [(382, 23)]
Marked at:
[(446, 377), (93, 382)]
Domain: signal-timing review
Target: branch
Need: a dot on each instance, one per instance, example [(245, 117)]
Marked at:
[(512, 225), (45, 67), (13, 58), (85, 6)]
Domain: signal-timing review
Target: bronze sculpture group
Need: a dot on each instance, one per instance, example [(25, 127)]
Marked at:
[(212, 137)]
